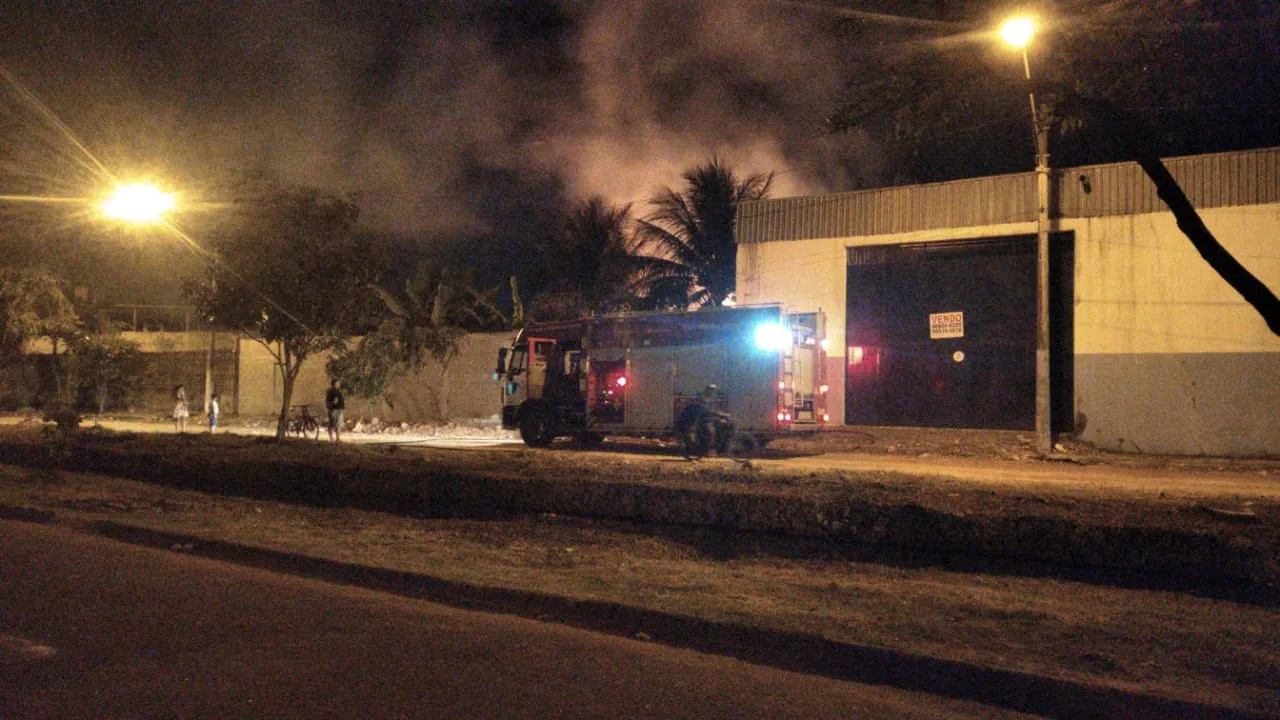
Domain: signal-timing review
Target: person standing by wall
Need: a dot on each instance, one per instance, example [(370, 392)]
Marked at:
[(214, 411), (180, 411), (335, 404)]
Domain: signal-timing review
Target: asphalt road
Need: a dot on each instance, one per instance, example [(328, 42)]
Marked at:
[(90, 628)]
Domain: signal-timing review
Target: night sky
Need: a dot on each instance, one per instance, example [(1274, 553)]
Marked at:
[(470, 124)]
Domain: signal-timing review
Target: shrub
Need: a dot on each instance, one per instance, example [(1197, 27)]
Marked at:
[(66, 418)]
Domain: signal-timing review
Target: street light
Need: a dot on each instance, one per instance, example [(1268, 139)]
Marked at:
[(138, 203), (143, 204), (1018, 33)]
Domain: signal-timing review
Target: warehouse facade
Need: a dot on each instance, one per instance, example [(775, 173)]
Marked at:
[(928, 295)]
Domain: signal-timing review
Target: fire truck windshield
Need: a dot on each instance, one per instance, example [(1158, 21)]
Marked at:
[(516, 362)]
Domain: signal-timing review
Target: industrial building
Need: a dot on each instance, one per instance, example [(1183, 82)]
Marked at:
[(928, 294)]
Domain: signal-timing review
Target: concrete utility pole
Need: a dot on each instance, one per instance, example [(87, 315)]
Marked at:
[(1018, 33), (1044, 419), (208, 369)]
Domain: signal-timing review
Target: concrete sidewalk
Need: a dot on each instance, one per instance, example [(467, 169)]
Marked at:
[(461, 435)]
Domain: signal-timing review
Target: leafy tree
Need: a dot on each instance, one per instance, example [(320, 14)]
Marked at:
[(105, 367), (946, 99), (33, 305), (368, 369), (288, 272), (1143, 151), (687, 243), (590, 261)]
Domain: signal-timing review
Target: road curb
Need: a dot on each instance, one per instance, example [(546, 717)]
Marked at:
[(786, 650)]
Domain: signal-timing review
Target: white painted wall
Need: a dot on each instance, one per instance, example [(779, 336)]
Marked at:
[(1141, 287), (805, 276), (469, 391), (1168, 357)]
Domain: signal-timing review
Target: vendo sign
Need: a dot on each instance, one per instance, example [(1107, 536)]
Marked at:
[(946, 325)]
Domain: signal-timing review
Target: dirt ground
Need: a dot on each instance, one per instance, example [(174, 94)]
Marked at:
[(1169, 644)]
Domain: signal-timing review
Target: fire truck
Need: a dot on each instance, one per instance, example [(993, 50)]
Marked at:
[(723, 379)]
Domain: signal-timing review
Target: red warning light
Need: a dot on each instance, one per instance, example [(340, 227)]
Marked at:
[(622, 381)]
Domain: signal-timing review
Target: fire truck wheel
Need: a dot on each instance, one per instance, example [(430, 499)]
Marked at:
[(723, 438), (743, 444), (537, 428), (590, 439)]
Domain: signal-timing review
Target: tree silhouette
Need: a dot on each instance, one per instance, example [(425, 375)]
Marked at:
[(287, 272), (688, 256), (943, 98), (32, 305), (427, 318), (105, 366), (590, 262)]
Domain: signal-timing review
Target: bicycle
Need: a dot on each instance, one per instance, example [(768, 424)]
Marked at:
[(304, 424)]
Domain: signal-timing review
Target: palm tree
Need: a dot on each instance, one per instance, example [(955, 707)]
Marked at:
[(687, 244), (591, 260)]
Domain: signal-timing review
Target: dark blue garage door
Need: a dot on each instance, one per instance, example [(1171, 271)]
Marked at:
[(943, 334)]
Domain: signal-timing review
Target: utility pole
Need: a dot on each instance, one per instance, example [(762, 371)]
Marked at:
[(1018, 32), (1044, 420), (208, 369)]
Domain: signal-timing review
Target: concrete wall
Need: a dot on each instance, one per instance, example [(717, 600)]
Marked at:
[(1168, 358), (170, 358), (183, 357), (805, 276), (468, 391)]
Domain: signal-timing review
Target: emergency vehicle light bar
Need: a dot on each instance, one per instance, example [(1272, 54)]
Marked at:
[(771, 336)]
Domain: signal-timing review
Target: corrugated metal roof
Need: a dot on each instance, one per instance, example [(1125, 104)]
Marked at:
[(1248, 177)]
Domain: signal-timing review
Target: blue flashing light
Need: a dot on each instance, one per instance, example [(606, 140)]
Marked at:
[(770, 336)]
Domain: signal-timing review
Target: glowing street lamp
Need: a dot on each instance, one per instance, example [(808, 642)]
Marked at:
[(138, 203), (1018, 33)]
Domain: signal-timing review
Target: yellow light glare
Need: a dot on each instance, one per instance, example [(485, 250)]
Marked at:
[(1018, 32), (138, 203)]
